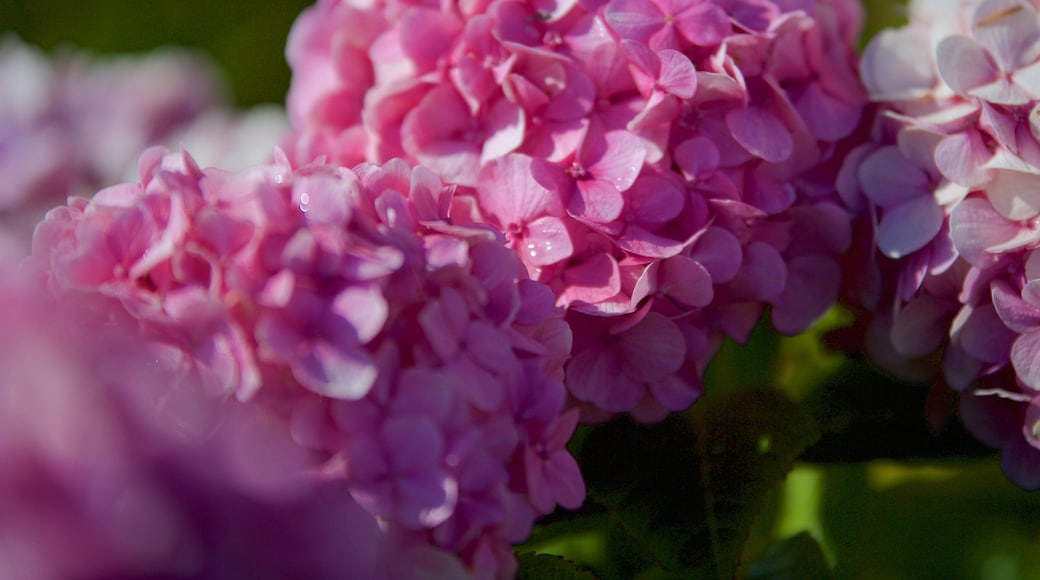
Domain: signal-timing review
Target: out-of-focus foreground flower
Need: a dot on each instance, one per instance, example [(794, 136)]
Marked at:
[(666, 168), (413, 359), (950, 178)]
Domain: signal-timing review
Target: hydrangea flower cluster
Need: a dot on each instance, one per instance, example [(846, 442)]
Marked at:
[(75, 123), (666, 167), (949, 178), (413, 358)]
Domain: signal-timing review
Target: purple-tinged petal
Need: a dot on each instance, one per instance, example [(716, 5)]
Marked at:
[(890, 70), (1014, 194), (888, 177), (978, 231), (761, 132), (652, 349), (960, 158), (1017, 314), (505, 126), (596, 201), (642, 242), (336, 371), (634, 19), (686, 280), (592, 281), (705, 24), (920, 327), (1009, 30), (677, 76), (909, 226), (719, 252), (617, 159)]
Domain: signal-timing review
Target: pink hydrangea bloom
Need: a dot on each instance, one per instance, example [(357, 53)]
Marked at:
[(415, 358), (72, 123), (661, 165), (949, 176)]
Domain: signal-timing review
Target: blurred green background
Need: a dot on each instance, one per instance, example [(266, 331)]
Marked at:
[(884, 497)]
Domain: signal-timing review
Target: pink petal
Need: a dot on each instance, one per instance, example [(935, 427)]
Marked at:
[(705, 24), (652, 349), (812, 288), (674, 393), (984, 335), (909, 226), (635, 19), (890, 69), (427, 35), (516, 189), (595, 376), (761, 132), (960, 158), (1014, 194), (697, 157), (686, 280), (827, 117), (641, 242), (655, 200), (596, 201), (719, 252), (505, 127), (616, 159), (547, 241), (677, 75), (592, 281), (564, 478)]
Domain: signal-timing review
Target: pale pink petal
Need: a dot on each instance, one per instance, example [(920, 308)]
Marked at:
[(978, 231), (1009, 30), (960, 158), (514, 190), (1025, 357), (1014, 194), (890, 69), (964, 64), (641, 242)]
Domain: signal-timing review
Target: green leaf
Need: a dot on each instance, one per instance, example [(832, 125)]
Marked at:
[(549, 567), (796, 558), (682, 495)]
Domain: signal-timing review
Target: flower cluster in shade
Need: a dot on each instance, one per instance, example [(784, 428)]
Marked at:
[(949, 185), (665, 166), (413, 359)]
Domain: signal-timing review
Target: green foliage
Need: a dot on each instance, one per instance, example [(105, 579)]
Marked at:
[(548, 567), (796, 558), (679, 498)]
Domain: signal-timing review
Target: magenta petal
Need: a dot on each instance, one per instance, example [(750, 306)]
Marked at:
[(704, 25), (697, 157), (686, 280), (635, 19), (652, 349), (642, 242), (655, 200), (564, 477), (985, 336), (674, 393), (414, 444), (812, 288), (596, 201), (678, 76), (514, 189), (719, 252), (761, 132), (909, 226), (828, 118), (617, 160), (547, 242), (964, 64), (592, 281)]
